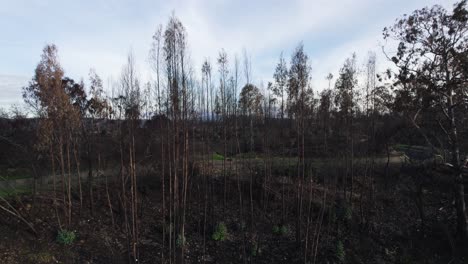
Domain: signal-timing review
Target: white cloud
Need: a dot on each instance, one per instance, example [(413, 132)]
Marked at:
[(99, 34), (10, 89)]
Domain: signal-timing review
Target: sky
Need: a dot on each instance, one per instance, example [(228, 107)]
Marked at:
[(99, 34)]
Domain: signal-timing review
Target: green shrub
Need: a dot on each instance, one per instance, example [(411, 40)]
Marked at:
[(220, 233), (66, 237), (340, 252), (254, 250), (280, 230), (276, 230), (348, 213), (180, 241), (283, 230)]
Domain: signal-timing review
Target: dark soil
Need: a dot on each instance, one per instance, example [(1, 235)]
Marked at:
[(385, 229)]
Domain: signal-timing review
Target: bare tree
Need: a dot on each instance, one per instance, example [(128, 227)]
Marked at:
[(280, 76), (223, 89), (155, 62), (345, 87), (47, 94), (298, 94)]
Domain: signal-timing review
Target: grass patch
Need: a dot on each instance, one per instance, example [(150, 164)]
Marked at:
[(14, 174), (13, 192), (405, 148), (41, 257), (418, 152), (247, 155), (217, 156)]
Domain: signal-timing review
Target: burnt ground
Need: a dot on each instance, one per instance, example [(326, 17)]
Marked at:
[(385, 229)]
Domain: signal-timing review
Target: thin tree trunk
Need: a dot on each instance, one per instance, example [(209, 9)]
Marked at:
[(77, 161)]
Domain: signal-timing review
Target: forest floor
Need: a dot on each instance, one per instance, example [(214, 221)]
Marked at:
[(387, 229)]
